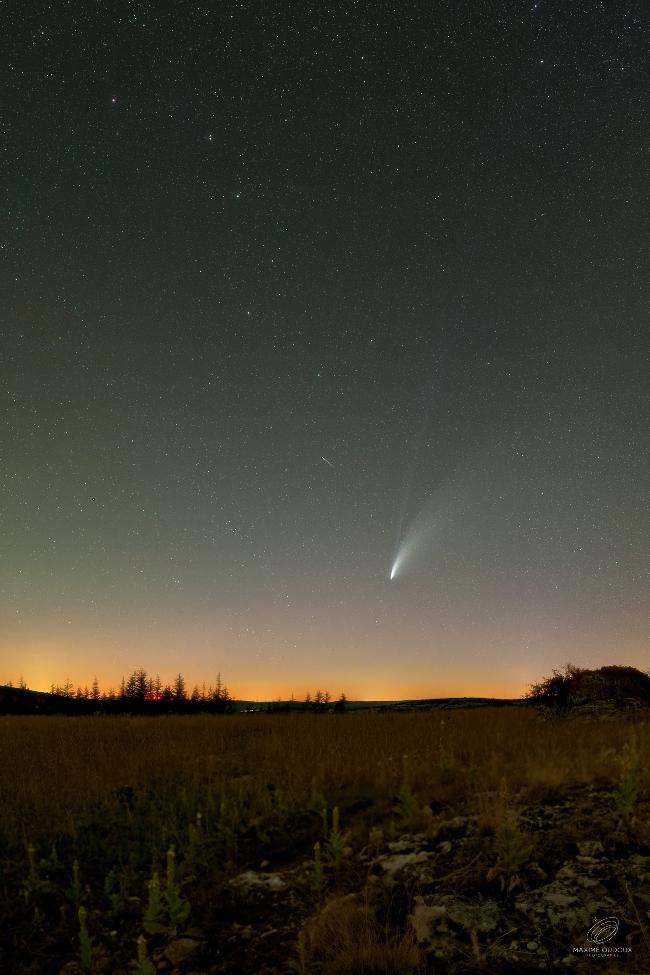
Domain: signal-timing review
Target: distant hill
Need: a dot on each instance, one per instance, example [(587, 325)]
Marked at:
[(615, 687), (417, 704), (440, 703), (20, 700)]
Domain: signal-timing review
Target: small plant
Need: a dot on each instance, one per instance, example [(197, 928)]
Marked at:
[(335, 845), (143, 965), (152, 921), (511, 845), (195, 839), (446, 765), (629, 781), (115, 897), (406, 800), (376, 839), (51, 862), (317, 800), (227, 831), (409, 813), (641, 919), (74, 890), (323, 817), (34, 883), (31, 882), (299, 965), (85, 943), (166, 909), (318, 876), (471, 778), (177, 907)]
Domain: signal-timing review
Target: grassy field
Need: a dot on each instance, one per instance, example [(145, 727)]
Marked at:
[(255, 843)]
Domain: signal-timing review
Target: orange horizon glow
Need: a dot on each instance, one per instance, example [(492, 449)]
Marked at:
[(257, 693), (362, 669)]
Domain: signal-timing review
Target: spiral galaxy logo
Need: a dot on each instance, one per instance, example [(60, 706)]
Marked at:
[(604, 929)]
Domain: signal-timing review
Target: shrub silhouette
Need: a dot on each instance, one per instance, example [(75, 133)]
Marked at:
[(577, 686)]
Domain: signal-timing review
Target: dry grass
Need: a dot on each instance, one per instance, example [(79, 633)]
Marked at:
[(346, 939), (56, 768)]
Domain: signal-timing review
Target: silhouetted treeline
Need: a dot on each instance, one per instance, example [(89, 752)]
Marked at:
[(322, 701), (140, 693)]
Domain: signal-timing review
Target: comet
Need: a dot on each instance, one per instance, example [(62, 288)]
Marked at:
[(328, 462), (402, 555), (424, 531), (423, 537)]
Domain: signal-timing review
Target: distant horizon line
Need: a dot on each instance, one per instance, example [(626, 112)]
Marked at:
[(72, 693), (59, 692)]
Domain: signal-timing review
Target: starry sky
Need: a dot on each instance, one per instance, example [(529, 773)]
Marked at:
[(295, 293)]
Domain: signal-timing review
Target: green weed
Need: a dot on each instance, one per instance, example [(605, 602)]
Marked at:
[(335, 844), (153, 918), (35, 883), (299, 964), (318, 874), (74, 890), (176, 906), (629, 782), (85, 943), (411, 814), (511, 845), (375, 840), (114, 894), (143, 965)]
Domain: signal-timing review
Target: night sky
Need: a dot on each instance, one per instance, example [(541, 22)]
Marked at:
[(295, 297)]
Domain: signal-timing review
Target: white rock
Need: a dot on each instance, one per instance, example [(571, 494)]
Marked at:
[(273, 881)]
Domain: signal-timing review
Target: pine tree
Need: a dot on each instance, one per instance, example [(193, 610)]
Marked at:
[(140, 684), (179, 688), (341, 704)]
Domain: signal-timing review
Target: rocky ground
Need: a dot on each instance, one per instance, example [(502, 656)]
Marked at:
[(438, 900)]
